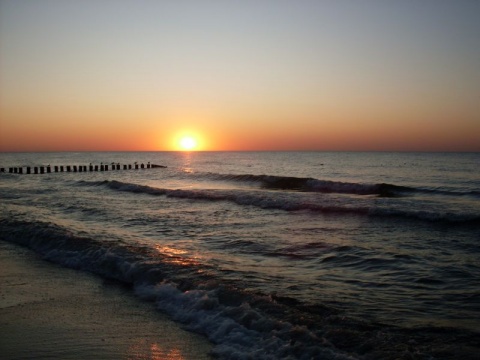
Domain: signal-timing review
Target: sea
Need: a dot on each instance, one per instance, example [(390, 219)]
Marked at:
[(271, 255)]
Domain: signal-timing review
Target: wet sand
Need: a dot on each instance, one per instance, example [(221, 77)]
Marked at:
[(47, 311)]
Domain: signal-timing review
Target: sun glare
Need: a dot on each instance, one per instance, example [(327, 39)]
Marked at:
[(188, 143)]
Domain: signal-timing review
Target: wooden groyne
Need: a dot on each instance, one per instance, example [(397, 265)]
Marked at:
[(77, 168)]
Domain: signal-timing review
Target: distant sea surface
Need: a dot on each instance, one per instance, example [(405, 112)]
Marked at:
[(272, 254)]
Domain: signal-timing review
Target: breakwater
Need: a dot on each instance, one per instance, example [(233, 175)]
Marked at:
[(47, 169)]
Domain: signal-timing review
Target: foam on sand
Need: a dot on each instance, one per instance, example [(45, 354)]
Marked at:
[(52, 312)]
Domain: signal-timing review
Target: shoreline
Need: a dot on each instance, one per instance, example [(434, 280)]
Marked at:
[(48, 311)]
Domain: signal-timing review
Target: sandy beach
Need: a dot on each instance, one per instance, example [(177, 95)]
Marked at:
[(47, 311)]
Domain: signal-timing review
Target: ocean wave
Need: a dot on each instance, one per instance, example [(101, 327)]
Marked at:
[(311, 184), (290, 202), (431, 216), (307, 184), (248, 198), (242, 324)]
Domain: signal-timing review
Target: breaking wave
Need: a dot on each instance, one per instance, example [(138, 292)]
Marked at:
[(313, 185), (292, 202), (326, 186), (241, 324)]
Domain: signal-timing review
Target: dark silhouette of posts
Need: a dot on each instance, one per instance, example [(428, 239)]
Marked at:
[(79, 168)]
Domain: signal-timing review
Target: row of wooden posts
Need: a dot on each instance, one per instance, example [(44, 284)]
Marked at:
[(77, 168)]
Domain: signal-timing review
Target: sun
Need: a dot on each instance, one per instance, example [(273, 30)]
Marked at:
[(188, 143)]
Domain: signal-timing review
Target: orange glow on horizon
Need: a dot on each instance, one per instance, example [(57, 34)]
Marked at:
[(215, 133)]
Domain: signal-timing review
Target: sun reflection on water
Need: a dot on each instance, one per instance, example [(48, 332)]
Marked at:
[(143, 350), (177, 256)]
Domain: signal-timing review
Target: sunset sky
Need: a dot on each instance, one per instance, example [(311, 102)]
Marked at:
[(239, 75)]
